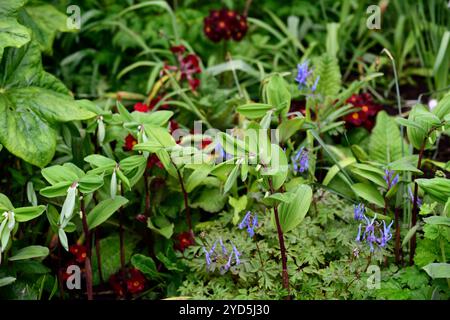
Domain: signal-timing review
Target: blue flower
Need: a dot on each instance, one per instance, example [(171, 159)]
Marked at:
[(314, 86), (411, 197), (236, 255), (358, 211), (391, 181), (207, 256), (300, 160), (224, 249), (371, 229), (303, 73), (358, 237), (386, 234), (250, 223)]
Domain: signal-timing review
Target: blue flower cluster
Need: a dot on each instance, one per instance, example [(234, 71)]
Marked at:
[(300, 160), (358, 211), (250, 222), (303, 74), (391, 181), (213, 256), (371, 229)]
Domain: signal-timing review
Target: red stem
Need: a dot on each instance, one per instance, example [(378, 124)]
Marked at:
[(87, 262)]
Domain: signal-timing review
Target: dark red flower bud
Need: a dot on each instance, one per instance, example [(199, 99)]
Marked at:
[(130, 141)]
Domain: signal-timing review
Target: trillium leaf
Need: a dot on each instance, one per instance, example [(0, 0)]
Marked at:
[(32, 104), (438, 270)]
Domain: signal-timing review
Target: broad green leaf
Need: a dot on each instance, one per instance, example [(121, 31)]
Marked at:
[(166, 231), (44, 21), (158, 118), (438, 220), (289, 127), (12, 34), (368, 192), (254, 110), (96, 160), (6, 281), (335, 169), (30, 252), (231, 180), (210, 200), (5, 203), (146, 265), (238, 205), (197, 177), (385, 140), (437, 188), (408, 163), (57, 174), (28, 213), (103, 210), (89, 183), (425, 120), (327, 68), (11, 7), (32, 104), (292, 213), (278, 94), (278, 169), (443, 107), (438, 270)]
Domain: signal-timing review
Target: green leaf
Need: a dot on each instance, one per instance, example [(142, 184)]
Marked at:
[(210, 200), (289, 127), (166, 230), (63, 239), (292, 213), (97, 161), (32, 104), (438, 270), (254, 110), (425, 120), (146, 265), (409, 235), (408, 163), (443, 107), (110, 255), (197, 177), (278, 94), (12, 34), (385, 140), (238, 205), (30, 252), (335, 169), (89, 183), (327, 67), (6, 281), (57, 174), (44, 20), (438, 220), (11, 7), (103, 210), (28, 213), (437, 188), (5, 204), (231, 180), (158, 118), (278, 169), (368, 192)]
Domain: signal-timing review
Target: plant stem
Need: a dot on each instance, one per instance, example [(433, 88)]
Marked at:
[(285, 274), (61, 284), (397, 236), (87, 262), (186, 200), (415, 207), (97, 253)]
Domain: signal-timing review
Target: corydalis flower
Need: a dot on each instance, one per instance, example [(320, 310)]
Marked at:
[(225, 255), (300, 160), (358, 211), (304, 73), (372, 228), (390, 179), (249, 221)]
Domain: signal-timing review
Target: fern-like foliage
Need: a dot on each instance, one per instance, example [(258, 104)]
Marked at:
[(327, 67)]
